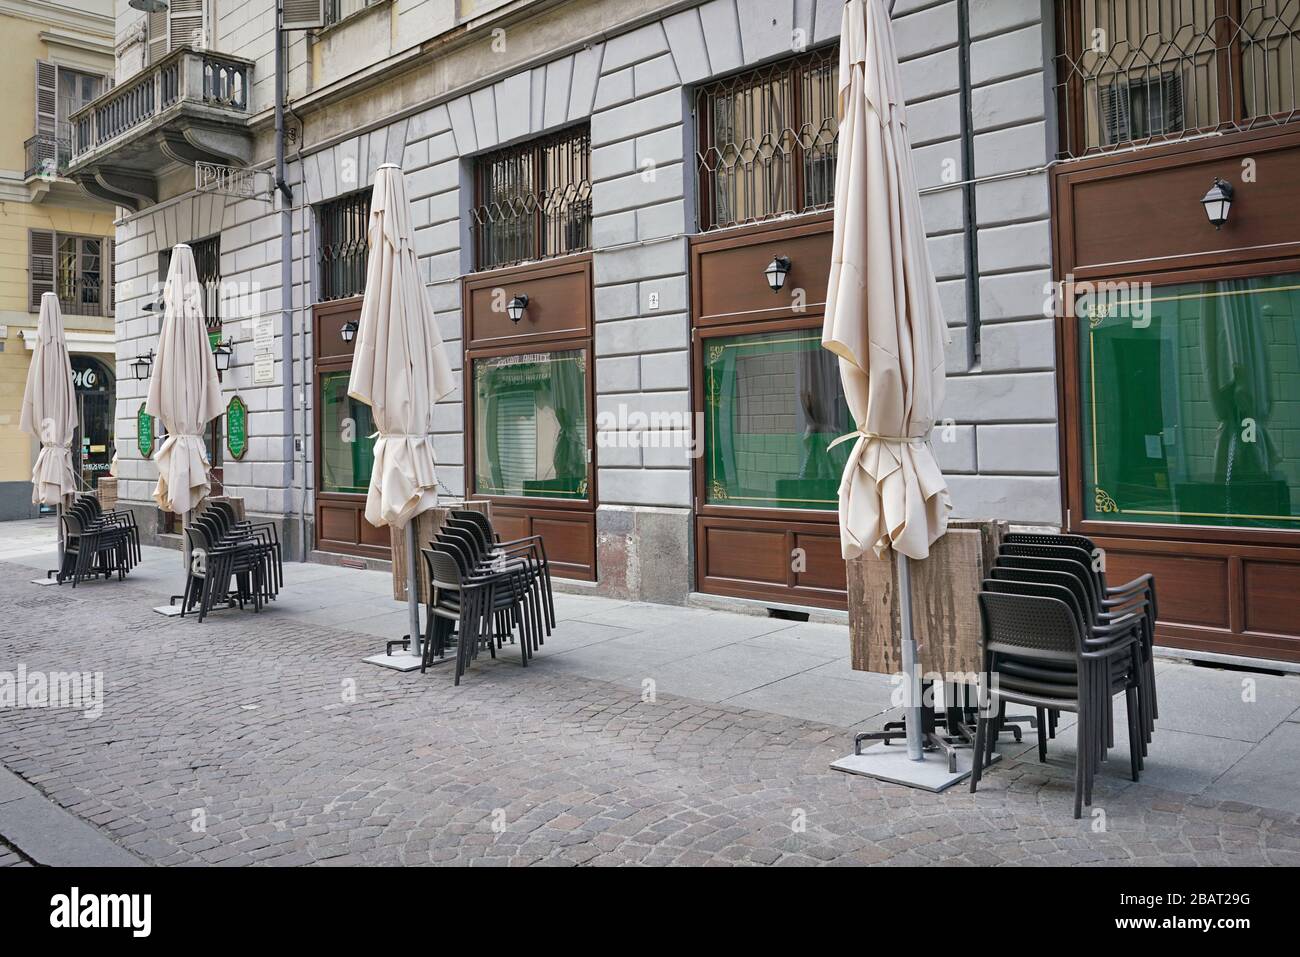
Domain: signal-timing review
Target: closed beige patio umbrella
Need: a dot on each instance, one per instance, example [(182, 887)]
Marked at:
[(184, 391), (49, 412), (884, 322), (400, 369)]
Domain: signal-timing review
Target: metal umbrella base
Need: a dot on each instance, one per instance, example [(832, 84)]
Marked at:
[(937, 770)]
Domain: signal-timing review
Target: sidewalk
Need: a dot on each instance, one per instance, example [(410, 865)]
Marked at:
[(1223, 736)]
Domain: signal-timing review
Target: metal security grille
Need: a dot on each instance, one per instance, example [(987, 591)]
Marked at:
[(342, 225), (767, 141), (1138, 72), (533, 201), (207, 263)]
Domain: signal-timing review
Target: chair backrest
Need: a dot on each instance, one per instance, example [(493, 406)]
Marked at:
[(443, 567), (1031, 626), (1016, 581), (456, 549), (91, 502), (478, 518), (1045, 538), (1059, 571), (481, 541), (72, 523), (1070, 552), (467, 541), (200, 542)]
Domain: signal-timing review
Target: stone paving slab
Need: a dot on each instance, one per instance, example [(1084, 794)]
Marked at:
[(270, 732)]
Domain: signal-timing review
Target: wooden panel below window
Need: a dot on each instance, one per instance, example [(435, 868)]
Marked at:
[(753, 558), (1223, 598), (341, 526), (569, 536)]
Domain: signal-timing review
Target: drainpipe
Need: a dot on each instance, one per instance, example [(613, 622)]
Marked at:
[(286, 264), (970, 229)]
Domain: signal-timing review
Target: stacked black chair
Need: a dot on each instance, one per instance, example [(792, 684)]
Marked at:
[(113, 546), (516, 603), (472, 602), (223, 550), (1041, 649), (92, 550), (1077, 555), (530, 549)]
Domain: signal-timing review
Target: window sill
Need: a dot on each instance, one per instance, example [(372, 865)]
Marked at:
[(331, 28)]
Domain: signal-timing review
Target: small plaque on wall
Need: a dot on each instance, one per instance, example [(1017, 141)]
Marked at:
[(144, 432), (263, 369), (236, 428)]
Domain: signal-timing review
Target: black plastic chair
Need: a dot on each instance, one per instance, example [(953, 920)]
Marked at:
[(91, 551), (458, 599), (531, 547), (1037, 652)]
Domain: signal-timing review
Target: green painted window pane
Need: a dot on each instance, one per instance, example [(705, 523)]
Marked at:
[(530, 425), (773, 405), (1191, 403), (346, 448)]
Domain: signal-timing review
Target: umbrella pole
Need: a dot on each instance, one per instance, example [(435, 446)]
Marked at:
[(412, 588), (912, 703)]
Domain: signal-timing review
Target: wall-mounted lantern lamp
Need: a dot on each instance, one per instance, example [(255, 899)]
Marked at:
[(222, 352), (142, 365), (776, 272), (516, 306), (349, 330), (1217, 202)]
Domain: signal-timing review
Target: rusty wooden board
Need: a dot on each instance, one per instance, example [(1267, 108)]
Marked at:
[(427, 524), (945, 606)]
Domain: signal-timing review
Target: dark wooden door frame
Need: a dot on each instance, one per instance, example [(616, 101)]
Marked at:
[(512, 280)]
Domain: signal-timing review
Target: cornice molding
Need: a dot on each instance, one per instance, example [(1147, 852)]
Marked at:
[(63, 15)]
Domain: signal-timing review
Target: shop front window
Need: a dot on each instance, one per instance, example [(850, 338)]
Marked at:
[(530, 425), (773, 406), (347, 451), (1191, 403)]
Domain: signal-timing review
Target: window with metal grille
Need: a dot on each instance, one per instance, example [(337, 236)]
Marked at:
[(1137, 72), (341, 226), (207, 264), (767, 141), (533, 201)]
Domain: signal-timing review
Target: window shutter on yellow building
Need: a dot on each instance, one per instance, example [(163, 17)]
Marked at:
[(41, 248), (158, 34), (47, 97)]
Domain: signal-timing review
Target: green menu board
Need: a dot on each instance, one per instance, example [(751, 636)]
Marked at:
[(236, 428), (144, 432)]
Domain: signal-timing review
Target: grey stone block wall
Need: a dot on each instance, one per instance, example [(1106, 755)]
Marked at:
[(634, 90)]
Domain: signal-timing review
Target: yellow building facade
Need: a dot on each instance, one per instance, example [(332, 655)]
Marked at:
[(54, 58)]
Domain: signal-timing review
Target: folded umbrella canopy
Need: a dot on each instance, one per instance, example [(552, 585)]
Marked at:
[(883, 316), (400, 369), (50, 408), (184, 391)]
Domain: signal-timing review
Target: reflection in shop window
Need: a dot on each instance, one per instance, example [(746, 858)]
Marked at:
[(1191, 408), (346, 448), (530, 425), (773, 406)]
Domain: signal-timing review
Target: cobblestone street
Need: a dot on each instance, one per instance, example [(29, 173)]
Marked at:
[(264, 739)]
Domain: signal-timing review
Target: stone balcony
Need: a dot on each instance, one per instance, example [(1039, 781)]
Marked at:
[(191, 106)]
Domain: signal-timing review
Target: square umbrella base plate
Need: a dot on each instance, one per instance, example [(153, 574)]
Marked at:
[(404, 661), (889, 762), (170, 611), (45, 581)]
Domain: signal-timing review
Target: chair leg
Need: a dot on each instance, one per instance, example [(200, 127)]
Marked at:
[(1134, 734), (1042, 736), (977, 752)]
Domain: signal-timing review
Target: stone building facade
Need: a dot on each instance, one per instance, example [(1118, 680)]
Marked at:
[(432, 87)]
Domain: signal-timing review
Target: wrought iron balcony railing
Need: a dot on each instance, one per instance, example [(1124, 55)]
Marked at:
[(47, 155), (184, 76)]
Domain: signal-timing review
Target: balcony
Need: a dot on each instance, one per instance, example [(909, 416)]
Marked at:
[(47, 156), (191, 106)]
